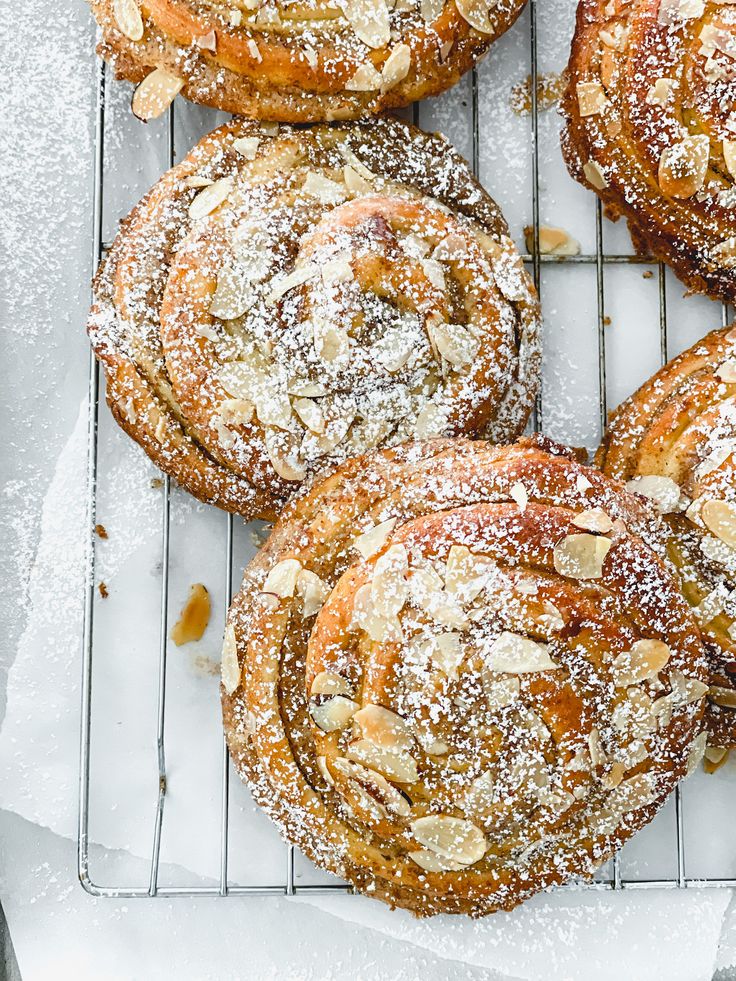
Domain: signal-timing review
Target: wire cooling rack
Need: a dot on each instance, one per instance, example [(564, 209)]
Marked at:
[(284, 880)]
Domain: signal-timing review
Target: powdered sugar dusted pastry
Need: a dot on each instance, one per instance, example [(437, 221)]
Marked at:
[(303, 61), (674, 442), (651, 127), (284, 299), (457, 674)]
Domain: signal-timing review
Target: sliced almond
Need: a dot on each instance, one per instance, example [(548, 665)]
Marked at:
[(581, 556), (727, 371), (209, 198), (370, 21), (310, 414), (283, 455), (696, 753), (715, 757), (394, 764), (454, 342), (663, 491), (729, 156), (683, 166), (208, 41), (128, 18), (476, 13), (686, 690), (298, 276), (334, 713), (636, 792), (500, 692), (381, 791), (364, 79), (396, 67), (722, 696), (431, 9), (389, 586), (451, 838), (447, 653), (247, 146), (155, 93), (595, 175), (313, 592), (379, 628), (514, 654), (329, 683), (552, 241), (324, 189), (594, 519), (383, 727), (591, 98), (230, 667), (720, 518), (518, 494), (645, 660), (465, 573), (373, 540), (282, 578)]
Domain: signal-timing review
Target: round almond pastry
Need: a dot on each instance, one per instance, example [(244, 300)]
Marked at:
[(296, 60), (457, 674), (674, 441), (651, 127), (284, 299)]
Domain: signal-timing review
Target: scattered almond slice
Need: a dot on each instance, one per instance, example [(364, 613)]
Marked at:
[(663, 491), (365, 79), (447, 653), (128, 18), (729, 156), (719, 517), (389, 586), (476, 13), (247, 146), (282, 578), (645, 659), (594, 519), (581, 556), (514, 654), (465, 573), (313, 592), (431, 862), (715, 757), (451, 838), (683, 166), (230, 667), (499, 692), (334, 713), (155, 93), (454, 342), (381, 791), (329, 683), (194, 617), (384, 728), (209, 198), (594, 175), (591, 98), (396, 67), (373, 540), (391, 763), (552, 241), (696, 753), (519, 494), (370, 21), (727, 371), (726, 697)]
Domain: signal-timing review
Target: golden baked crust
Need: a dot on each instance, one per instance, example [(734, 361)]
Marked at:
[(674, 441), (308, 61), (465, 721), (284, 299), (651, 128)]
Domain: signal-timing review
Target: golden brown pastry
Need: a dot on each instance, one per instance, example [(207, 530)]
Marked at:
[(303, 61), (457, 674), (651, 127), (284, 299), (674, 442)]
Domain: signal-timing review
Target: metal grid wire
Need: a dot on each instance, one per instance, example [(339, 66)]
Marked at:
[(599, 259)]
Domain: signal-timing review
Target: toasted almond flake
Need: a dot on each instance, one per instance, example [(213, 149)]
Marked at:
[(282, 453), (330, 683), (451, 838), (431, 421), (310, 414), (645, 659), (370, 21), (594, 175), (364, 79), (282, 578), (686, 690), (354, 182), (683, 166), (725, 697), (247, 146), (236, 412), (663, 491), (514, 654), (331, 341), (659, 93), (210, 198), (591, 98), (208, 42), (595, 748), (725, 252), (230, 667), (155, 93), (476, 13), (396, 67), (729, 156), (465, 573), (719, 517), (431, 9), (499, 692), (714, 758), (727, 371), (379, 789), (196, 181), (337, 270), (431, 862), (633, 793), (323, 188), (393, 764), (325, 771), (383, 727), (519, 495), (582, 484), (389, 586), (313, 592), (299, 275), (333, 714), (696, 753), (613, 776), (311, 56), (373, 540), (447, 653), (552, 241), (454, 342), (253, 50), (594, 519), (127, 16), (581, 556)]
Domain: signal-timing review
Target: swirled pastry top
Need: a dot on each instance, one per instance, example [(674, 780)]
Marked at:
[(651, 127), (287, 298), (674, 441), (458, 674), (297, 60)]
